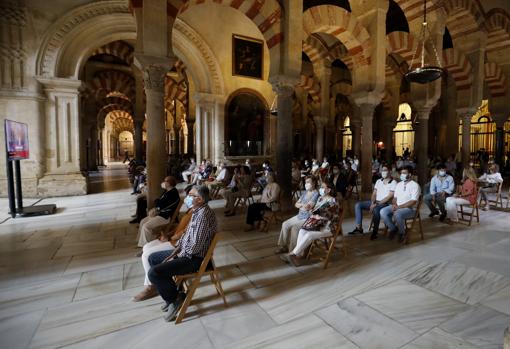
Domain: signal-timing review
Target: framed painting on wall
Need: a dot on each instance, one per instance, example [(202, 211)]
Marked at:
[(247, 57)]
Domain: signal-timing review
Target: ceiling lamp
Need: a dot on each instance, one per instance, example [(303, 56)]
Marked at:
[(424, 73)]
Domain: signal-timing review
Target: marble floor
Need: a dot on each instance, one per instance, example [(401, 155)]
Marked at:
[(66, 281)]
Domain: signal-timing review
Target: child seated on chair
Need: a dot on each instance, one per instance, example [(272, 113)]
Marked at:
[(322, 223)]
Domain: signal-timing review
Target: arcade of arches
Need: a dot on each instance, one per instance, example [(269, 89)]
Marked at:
[(96, 79)]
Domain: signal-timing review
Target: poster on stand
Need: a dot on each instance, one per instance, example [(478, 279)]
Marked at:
[(16, 140)]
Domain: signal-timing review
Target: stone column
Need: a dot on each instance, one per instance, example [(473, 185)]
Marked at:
[(389, 125), (154, 80), (499, 145), (191, 136), (356, 135), (63, 175), (206, 127), (101, 146), (219, 129), (138, 139), (284, 88), (325, 78), (367, 143), (320, 123), (465, 115), (422, 144)]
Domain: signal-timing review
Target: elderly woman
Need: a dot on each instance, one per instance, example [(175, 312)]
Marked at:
[(468, 195), (268, 201), (290, 228), (322, 223)]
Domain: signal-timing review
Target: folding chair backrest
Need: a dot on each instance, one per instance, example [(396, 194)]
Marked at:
[(208, 256), (173, 218)]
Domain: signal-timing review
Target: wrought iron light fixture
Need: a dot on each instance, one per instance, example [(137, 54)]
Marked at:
[(424, 73)]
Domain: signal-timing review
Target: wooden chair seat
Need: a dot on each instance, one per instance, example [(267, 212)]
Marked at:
[(273, 216), (473, 212), (191, 281), (498, 200), (328, 244)]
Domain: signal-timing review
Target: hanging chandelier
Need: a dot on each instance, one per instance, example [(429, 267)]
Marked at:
[(424, 73)]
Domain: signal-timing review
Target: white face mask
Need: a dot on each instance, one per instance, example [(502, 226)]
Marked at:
[(163, 185), (308, 186), (188, 201), (384, 174), (403, 177), (322, 191), (442, 173)]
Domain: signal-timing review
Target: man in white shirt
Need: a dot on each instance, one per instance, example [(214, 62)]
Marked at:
[(490, 182), (407, 194), (442, 186), (381, 197), (191, 169)]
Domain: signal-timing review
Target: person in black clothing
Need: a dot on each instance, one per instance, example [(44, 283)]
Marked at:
[(339, 179), (164, 208)]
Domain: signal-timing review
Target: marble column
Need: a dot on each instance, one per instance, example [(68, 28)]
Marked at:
[(219, 129), (205, 126), (154, 81), (284, 90), (389, 125), (356, 135), (499, 144), (422, 144), (191, 136), (320, 123), (101, 146), (138, 138), (63, 175), (367, 117), (465, 115), (325, 77)]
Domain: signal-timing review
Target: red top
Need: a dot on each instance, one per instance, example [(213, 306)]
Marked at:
[(469, 191)]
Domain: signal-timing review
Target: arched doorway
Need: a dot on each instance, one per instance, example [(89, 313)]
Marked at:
[(246, 124), (482, 134), (346, 138), (403, 133)]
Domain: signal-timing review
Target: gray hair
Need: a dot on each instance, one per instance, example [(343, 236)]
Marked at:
[(203, 192)]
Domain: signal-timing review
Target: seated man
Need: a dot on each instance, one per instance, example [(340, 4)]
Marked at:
[(164, 208), (189, 253), (220, 179), (189, 172), (164, 246), (268, 202), (442, 186), (407, 194), (381, 197), (490, 182)]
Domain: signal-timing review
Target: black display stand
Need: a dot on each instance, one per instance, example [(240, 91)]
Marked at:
[(18, 195)]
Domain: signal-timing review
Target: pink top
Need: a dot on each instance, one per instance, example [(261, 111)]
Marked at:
[(469, 191)]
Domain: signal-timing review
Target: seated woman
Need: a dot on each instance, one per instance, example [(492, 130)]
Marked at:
[(243, 182), (268, 201), (468, 195), (164, 244), (290, 228), (323, 222)]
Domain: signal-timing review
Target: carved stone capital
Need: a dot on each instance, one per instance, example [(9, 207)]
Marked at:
[(154, 77), (283, 85)]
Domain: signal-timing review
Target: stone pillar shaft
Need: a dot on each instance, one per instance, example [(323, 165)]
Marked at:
[(422, 144), (367, 117), (138, 141)]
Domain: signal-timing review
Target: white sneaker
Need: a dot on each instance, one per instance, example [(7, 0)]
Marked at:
[(486, 208)]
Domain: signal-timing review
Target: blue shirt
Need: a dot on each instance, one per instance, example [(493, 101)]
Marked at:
[(304, 214), (437, 186)]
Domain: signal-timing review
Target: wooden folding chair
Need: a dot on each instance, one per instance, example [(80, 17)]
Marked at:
[(192, 280), (507, 199), (275, 215), (413, 221), (497, 200), (329, 243), (173, 220), (470, 214), (244, 201)]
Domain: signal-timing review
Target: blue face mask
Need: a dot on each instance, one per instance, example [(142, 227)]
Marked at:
[(403, 177), (322, 192), (188, 201)]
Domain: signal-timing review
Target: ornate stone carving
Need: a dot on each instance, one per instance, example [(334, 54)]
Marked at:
[(56, 35), (283, 85), (154, 77)]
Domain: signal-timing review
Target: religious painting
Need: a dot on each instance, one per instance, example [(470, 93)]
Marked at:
[(245, 125), (247, 57), (16, 140)]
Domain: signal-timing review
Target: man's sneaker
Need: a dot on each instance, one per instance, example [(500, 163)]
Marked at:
[(432, 214), (174, 307), (147, 293), (164, 307), (356, 230)]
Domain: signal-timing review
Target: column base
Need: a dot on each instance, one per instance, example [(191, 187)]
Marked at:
[(62, 185)]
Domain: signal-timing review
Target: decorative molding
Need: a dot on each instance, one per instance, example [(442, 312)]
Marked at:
[(154, 77), (56, 35)]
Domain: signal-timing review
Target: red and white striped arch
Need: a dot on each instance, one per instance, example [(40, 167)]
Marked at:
[(109, 108), (464, 17), (496, 79), (498, 27), (121, 121), (459, 67), (341, 87), (343, 25), (108, 81), (312, 86), (119, 49), (413, 9), (175, 91), (404, 45), (317, 51)]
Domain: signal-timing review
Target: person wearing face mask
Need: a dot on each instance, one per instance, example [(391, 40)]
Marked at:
[(315, 167), (268, 201), (290, 227), (442, 186), (325, 217), (164, 208), (405, 199), (164, 246), (219, 180), (192, 168), (489, 182), (381, 197), (339, 179), (467, 195)]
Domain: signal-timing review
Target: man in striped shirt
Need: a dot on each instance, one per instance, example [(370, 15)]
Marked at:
[(189, 253)]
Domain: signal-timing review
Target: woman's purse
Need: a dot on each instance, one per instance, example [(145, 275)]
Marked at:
[(313, 224)]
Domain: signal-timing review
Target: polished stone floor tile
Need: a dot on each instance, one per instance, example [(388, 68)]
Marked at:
[(17, 331), (266, 271), (465, 284), (499, 301), (417, 308), (479, 325), (99, 282), (364, 326), (308, 332), (439, 339)]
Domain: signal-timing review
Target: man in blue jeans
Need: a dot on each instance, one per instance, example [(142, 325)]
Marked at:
[(442, 186), (407, 194), (381, 197)]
